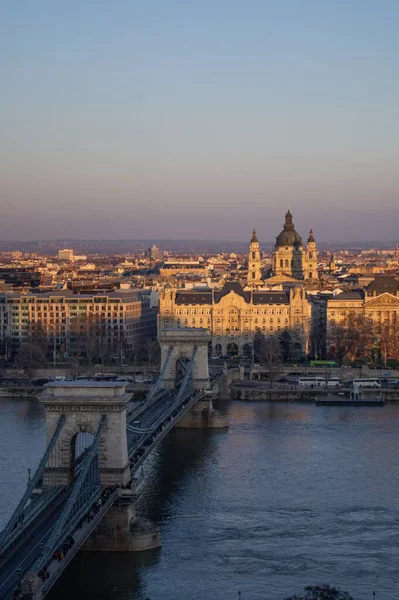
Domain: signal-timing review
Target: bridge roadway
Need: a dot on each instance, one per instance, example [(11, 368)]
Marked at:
[(26, 553), (156, 417)]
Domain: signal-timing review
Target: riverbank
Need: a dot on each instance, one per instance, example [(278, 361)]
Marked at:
[(244, 393)]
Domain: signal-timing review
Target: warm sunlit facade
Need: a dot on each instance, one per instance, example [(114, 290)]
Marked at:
[(233, 315), (377, 305), (124, 315), (290, 258)]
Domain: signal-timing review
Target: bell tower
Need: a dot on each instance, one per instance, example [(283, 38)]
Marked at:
[(310, 266), (254, 276)]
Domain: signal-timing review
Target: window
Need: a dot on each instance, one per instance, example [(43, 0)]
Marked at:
[(253, 255), (281, 263), (253, 275), (286, 262), (310, 274)]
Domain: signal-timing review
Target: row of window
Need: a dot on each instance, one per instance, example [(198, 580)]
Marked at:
[(370, 315), (219, 311), (219, 324)]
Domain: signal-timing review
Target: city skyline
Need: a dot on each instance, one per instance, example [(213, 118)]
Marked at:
[(199, 122)]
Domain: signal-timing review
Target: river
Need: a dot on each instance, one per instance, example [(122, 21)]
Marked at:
[(290, 495)]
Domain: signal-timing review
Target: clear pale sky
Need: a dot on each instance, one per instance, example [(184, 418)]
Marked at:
[(201, 119)]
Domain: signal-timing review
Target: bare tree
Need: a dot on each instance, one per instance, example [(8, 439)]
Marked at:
[(30, 358), (338, 342), (269, 353), (150, 353), (353, 337), (88, 342), (38, 337), (103, 341), (286, 343), (74, 367)]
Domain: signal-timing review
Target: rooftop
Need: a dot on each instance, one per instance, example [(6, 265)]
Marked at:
[(351, 295), (86, 384), (384, 283)]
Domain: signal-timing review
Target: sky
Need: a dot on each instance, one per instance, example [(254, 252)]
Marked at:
[(203, 119)]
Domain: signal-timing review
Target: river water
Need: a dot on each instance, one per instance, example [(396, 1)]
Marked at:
[(290, 495)]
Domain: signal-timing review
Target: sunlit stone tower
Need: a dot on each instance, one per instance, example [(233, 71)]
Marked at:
[(254, 275)]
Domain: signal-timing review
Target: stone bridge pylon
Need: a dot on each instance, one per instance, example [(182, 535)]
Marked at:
[(83, 405), (179, 345)]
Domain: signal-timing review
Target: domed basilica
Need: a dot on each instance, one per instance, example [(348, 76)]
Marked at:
[(290, 260)]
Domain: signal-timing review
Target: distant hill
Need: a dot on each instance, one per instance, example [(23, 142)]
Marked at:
[(175, 246)]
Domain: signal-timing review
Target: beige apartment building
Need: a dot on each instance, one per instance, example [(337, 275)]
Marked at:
[(65, 254), (123, 315), (171, 269), (233, 315)]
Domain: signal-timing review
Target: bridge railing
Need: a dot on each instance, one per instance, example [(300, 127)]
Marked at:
[(86, 484), (33, 513), (155, 393), (140, 451), (79, 536), (31, 485), (167, 422), (186, 398)]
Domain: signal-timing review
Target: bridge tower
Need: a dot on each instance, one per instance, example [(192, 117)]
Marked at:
[(83, 404), (177, 346)]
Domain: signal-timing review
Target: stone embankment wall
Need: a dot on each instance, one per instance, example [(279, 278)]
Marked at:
[(296, 395)]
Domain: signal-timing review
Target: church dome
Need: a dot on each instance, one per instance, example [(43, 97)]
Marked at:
[(289, 237)]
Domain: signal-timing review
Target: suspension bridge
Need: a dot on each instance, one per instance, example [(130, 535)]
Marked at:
[(82, 493)]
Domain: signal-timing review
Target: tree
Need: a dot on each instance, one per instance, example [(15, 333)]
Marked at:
[(354, 337), (74, 368), (30, 358), (321, 592), (338, 342), (257, 344), (38, 337), (102, 339), (285, 340), (268, 352)]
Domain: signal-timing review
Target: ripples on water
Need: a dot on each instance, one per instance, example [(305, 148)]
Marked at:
[(290, 495)]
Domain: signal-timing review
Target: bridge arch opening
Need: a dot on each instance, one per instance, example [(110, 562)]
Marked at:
[(182, 365), (80, 445), (232, 349)]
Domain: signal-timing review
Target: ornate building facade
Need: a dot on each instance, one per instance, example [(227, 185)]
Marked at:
[(378, 304), (233, 315), (290, 258)]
